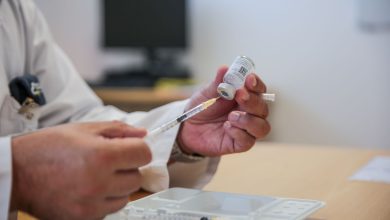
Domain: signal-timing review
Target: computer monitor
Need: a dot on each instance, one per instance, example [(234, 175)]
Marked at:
[(145, 24), (152, 26)]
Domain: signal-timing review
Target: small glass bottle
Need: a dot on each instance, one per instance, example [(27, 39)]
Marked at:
[(235, 77)]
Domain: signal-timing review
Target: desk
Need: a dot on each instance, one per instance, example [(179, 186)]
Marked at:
[(134, 99), (311, 172)]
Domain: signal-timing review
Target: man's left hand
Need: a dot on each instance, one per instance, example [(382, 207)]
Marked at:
[(227, 126)]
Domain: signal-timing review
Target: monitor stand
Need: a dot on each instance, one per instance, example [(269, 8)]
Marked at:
[(155, 67)]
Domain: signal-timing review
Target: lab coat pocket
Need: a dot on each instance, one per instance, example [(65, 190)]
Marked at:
[(12, 122)]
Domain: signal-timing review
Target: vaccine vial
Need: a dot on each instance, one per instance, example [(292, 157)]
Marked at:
[(235, 77)]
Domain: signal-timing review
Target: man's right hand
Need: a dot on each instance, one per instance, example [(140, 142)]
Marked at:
[(77, 171)]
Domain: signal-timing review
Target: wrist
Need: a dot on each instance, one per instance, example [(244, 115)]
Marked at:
[(182, 146), (18, 195), (14, 204), (179, 156), (181, 153)]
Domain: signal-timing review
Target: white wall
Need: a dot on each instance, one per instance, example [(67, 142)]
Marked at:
[(331, 77)]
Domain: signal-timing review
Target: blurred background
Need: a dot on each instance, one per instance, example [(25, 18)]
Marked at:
[(328, 61)]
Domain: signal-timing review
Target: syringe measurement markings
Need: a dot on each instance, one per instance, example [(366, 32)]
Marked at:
[(178, 120), (197, 109), (190, 113), (186, 115)]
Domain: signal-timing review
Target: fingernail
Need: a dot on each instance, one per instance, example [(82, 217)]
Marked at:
[(254, 81), (227, 125), (234, 116)]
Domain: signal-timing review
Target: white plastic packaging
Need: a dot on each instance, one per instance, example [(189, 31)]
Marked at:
[(235, 77), (192, 204)]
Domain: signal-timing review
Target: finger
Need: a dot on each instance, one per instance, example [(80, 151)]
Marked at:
[(242, 141), (124, 183), (252, 103), (116, 129), (211, 89), (125, 153), (255, 126), (117, 204), (132, 153), (114, 204), (220, 74), (254, 84)]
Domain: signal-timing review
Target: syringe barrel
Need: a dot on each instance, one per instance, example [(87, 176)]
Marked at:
[(163, 128), (188, 114)]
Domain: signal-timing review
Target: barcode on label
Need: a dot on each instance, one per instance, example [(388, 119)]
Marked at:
[(243, 70)]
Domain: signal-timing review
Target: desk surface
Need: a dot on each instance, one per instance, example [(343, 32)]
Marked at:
[(139, 99), (114, 95), (310, 172)]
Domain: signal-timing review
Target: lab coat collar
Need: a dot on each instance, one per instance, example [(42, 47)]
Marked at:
[(3, 86)]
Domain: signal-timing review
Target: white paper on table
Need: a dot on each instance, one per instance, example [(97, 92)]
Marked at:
[(376, 170)]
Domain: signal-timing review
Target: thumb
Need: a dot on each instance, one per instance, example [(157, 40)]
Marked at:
[(211, 89), (118, 129), (220, 74)]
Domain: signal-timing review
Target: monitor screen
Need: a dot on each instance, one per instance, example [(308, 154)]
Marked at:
[(144, 23)]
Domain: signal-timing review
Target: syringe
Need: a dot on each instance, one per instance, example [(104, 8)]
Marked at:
[(186, 115), (192, 112)]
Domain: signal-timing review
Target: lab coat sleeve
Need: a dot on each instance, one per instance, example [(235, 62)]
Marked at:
[(5, 176), (69, 99)]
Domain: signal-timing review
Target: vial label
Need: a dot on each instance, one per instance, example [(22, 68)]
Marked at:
[(235, 77), (238, 71), (243, 71)]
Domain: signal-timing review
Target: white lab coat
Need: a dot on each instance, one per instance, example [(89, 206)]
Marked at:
[(26, 46)]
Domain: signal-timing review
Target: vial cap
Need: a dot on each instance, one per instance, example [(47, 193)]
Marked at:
[(226, 91)]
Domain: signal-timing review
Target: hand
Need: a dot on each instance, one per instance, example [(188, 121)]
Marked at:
[(227, 126), (77, 171)]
